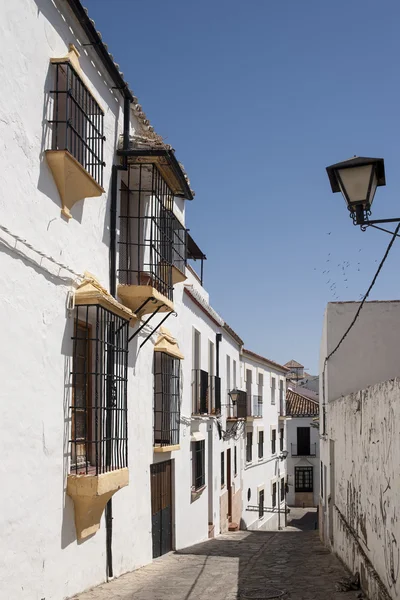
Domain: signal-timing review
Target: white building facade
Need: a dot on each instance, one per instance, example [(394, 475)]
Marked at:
[(359, 441), (264, 475), (120, 441), (303, 464)]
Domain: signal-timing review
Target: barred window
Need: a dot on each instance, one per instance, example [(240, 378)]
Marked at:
[(303, 479), (199, 477), (273, 495), (98, 407), (78, 120), (166, 399), (152, 243), (222, 468), (260, 444), (273, 442), (282, 489), (235, 461)]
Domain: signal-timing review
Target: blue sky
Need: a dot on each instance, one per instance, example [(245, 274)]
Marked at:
[(258, 98)]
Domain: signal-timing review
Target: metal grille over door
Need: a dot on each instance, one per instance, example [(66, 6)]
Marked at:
[(161, 507)]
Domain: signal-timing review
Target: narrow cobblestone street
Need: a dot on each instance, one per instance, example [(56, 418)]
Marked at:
[(290, 564)]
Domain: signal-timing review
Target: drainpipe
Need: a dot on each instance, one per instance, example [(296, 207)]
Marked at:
[(113, 288)]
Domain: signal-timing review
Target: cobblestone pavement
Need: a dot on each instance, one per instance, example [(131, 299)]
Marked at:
[(290, 564)]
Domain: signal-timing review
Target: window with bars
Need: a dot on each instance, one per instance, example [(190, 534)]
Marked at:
[(282, 489), (273, 441), (303, 479), (249, 446), (281, 439), (273, 495), (260, 444), (222, 468), (281, 398), (152, 240), (199, 476), (98, 407), (166, 399), (260, 504), (77, 122)]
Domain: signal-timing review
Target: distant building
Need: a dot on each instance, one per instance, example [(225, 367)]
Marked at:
[(303, 449)]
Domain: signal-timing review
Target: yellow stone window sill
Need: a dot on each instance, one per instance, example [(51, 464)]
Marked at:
[(90, 494), (134, 296), (166, 448), (72, 180)]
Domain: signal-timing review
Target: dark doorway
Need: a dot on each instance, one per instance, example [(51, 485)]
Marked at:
[(161, 507), (229, 482), (303, 441)]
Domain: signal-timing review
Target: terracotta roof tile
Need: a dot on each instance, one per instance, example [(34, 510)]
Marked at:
[(293, 364), (300, 406)]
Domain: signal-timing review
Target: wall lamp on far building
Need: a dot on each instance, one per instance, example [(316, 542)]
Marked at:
[(283, 455), (357, 179), (234, 395)]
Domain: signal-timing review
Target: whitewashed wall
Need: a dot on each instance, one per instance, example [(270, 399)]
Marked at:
[(367, 356), (262, 472), (365, 431), (292, 423)]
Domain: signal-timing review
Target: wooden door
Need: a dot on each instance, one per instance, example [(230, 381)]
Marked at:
[(229, 481), (161, 507)]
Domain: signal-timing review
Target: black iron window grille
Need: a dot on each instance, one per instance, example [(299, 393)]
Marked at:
[(222, 468), (98, 408), (235, 461), (249, 446), (152, 240), (78, 121), (200, 392), (260, 504), (281, 439), (260, 444), (166, 399), (273, 441), (199, 476), (273, 495), (282, 489), (303, 479)]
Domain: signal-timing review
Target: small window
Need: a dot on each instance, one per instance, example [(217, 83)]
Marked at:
[(273, 495), (273, 441), (260, 504), (248, 495), (273, 388), (282, 489), (260, 444), (199, 477), (235, 461), (222, 469), (234, 375), (281, 439), (303, 477), (78, 121), (249, 447)]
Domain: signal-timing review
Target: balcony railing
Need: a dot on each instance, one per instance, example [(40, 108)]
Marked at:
[(238, 410), (257, 406), (304, 450), (206, 393)]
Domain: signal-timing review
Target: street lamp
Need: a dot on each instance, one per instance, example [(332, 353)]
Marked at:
[(357, 178), (234, 395)]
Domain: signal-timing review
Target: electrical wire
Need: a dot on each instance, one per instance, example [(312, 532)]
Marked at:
[(395, 233)]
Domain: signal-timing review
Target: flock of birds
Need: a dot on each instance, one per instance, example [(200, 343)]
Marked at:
[(338, 278)]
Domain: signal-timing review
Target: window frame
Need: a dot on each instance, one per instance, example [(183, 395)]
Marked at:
[(302, 487), (249, 447), (198, 475), (281, 439), (274, 499), (282, 489), (235, 461), (261, 444), (261, 500), (273, 441), (223, 468), (166, 403)]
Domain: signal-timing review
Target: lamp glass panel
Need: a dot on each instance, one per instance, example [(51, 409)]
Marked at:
[(354, 183)]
